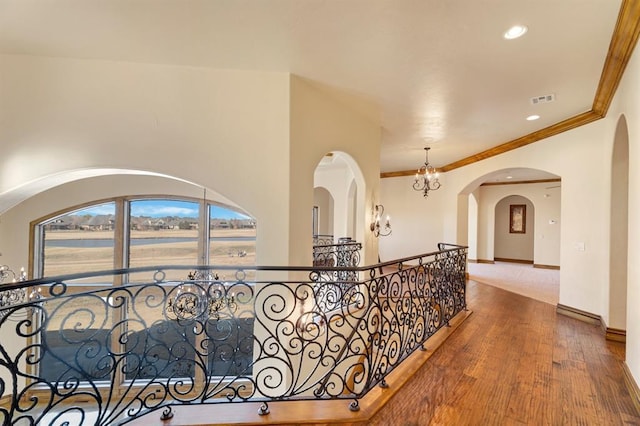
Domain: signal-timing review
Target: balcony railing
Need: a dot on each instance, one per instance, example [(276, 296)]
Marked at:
[(106, 348), (322, 239)]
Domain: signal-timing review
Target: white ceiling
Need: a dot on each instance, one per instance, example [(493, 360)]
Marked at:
[(438, 71)]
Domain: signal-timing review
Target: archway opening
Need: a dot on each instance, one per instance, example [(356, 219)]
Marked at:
[(337, 181), (618, 235), (485, 224)]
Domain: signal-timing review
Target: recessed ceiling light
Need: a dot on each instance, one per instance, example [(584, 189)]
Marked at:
[(515, 32), (509, 177), (533, 117)]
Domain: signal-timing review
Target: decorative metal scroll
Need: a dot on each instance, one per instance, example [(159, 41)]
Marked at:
[(337, 284), (103, 355), (322, 240), (344, 254)]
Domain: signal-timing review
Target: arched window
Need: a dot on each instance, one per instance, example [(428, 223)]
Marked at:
[(143, 231), (136, 232)]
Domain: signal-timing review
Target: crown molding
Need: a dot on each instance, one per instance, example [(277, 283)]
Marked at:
[(623, 42), (519, 182)]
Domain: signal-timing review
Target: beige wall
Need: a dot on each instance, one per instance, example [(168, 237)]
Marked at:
[(582, 158), (325, 121), (627, 103), (509, 245), (417, 222), (323, 200), (254, 137), (577, 157), (224, 130), (542, 238)]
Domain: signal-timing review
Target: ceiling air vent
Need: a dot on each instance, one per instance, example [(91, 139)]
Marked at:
[(543, 99)]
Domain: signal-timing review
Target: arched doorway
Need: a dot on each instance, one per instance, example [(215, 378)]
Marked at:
[(485, 219), (337, 195), (476, 208), (618, 233)]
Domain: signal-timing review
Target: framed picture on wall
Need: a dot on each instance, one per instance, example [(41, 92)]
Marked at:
[(518, 219)]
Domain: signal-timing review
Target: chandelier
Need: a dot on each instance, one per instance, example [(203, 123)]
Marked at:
[(201, 296), (15, 296), (426, 177), (6, 272)]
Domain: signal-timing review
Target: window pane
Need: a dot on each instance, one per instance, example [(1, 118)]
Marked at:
[(156, 346), (163, 232), (80, 241), (78, 336), (232, 239)]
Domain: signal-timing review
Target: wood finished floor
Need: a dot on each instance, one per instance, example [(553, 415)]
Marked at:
[(516, 362), (513, 361)]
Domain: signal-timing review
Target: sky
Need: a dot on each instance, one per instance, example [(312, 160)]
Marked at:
[(163, 208)]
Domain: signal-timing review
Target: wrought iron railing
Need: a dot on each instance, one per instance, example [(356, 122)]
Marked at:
[(322, 239), (109, 347), (344, 254)]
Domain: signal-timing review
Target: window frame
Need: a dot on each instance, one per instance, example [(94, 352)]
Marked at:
[(121, 246), (122, 232)]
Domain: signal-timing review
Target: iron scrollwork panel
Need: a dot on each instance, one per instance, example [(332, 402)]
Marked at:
[(137, 348)]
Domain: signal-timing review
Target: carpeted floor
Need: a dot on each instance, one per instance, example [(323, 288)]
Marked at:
[(536, 283)]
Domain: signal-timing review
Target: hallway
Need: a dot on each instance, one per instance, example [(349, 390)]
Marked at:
[(515, 361), (536, 283)]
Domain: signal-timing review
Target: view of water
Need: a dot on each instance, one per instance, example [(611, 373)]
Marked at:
[(101, 242)]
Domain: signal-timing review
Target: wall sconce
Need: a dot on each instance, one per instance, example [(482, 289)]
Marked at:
[(376, 227)]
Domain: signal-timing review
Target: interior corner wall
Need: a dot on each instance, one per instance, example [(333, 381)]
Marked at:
[(226, 130), (324, 120), (465, 207), (578, 156), (337, 181), (546, 225), (323, 199), (417, 222), (627, 102), (619, 229), (472, 227)]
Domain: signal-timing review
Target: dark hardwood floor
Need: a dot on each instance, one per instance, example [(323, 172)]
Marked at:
[(514, 361)]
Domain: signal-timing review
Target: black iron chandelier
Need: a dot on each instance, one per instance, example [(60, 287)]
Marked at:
[(427, 177)]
